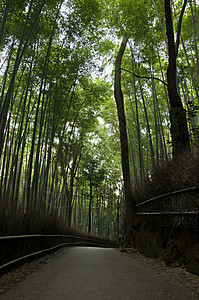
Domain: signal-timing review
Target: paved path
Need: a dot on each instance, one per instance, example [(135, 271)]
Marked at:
[(91, 274)]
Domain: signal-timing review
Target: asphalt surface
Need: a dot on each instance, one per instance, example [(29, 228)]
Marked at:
[(93, 273)]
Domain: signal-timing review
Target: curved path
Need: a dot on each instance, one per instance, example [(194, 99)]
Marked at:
[(93, 273)]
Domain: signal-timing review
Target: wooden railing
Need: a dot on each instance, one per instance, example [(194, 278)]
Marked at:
[(171, 203), (15, 249)]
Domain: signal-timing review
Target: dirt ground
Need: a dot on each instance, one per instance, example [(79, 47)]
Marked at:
[(175, 273)]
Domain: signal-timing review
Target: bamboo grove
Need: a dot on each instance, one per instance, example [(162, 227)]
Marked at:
[(59, 137)]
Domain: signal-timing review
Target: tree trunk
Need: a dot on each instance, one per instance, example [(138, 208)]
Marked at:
[(194, 38), (20, 53), (90, 207), (179, 130), (3, 24), (145, 113), (130, 205)]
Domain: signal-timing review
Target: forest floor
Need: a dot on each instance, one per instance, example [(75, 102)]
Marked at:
[(175, 273)]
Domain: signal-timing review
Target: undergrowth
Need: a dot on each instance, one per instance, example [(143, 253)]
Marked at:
[(171, 175), (173, 238)]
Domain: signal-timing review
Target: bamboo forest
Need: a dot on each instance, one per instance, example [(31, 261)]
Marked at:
[(99, 105)]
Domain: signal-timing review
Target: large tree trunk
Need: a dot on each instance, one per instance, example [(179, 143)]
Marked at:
[(130, 205), (179, 130)]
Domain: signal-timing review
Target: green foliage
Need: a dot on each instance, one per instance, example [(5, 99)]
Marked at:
[(129, 18)]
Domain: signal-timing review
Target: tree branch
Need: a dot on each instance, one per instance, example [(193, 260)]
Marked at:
[(146, 77), (179, 26)]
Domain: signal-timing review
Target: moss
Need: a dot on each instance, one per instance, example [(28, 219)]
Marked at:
[(176, 246), (193, 267), (192, 264), (149, 243)]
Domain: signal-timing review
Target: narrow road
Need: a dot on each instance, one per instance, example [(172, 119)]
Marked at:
[(91, 274)]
